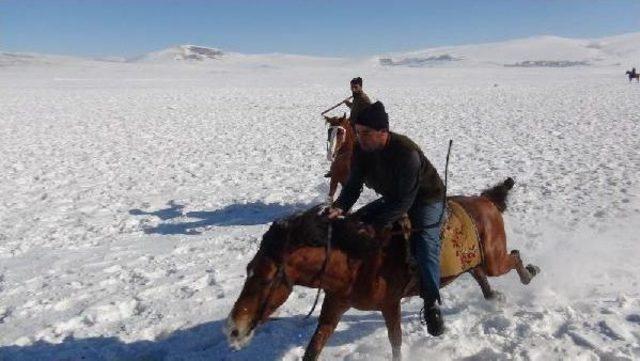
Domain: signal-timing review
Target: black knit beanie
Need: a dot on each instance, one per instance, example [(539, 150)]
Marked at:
[(374, 116)]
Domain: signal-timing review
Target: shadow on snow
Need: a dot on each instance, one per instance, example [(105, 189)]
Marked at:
[(202, 342), (247, 214)]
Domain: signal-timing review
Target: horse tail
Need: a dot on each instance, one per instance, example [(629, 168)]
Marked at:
[(498, 193)]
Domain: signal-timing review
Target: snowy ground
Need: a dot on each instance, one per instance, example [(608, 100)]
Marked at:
[(132, 197)]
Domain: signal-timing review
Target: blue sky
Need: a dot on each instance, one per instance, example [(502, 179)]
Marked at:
[(325, 27)]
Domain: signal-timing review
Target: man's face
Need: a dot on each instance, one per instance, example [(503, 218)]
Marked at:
[(370, 139), (356, 88)]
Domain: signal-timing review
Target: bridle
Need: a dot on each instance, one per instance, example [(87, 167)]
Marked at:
[(332, 135), (280, 275)]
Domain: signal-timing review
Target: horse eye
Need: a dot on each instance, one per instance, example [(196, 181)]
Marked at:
[(250, 273)]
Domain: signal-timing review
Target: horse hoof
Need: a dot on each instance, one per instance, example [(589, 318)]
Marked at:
[(533, 269), (497, 297)]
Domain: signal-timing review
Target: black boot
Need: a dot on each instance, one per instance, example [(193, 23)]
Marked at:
[(433, 319)]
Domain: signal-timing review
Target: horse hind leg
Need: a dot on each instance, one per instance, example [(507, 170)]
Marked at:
[(527, 273), (480, 276)]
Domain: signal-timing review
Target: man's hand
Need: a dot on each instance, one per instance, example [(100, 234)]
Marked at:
[(367, 229), (334, 212), (348, 103)]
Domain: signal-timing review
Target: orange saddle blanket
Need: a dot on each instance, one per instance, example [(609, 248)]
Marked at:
[(460, 250)]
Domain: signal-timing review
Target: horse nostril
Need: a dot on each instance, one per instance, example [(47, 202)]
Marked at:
[(235, 333)]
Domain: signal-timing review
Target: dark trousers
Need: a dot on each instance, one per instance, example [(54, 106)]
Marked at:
[(425, 242), (425, 245)]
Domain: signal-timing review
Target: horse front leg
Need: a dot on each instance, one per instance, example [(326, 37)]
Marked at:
[(332, 310), (391, 314)]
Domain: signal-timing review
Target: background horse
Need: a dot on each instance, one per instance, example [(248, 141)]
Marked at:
[(341, 140), (360, 271), (633, 75)]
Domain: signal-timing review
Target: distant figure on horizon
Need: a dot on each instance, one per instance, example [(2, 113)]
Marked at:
[(633, 75)]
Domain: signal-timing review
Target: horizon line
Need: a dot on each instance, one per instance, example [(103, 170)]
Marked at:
[(312, 55)]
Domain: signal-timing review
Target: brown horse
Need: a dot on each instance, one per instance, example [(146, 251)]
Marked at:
[(358, 270), (341, 140), (633, 75)]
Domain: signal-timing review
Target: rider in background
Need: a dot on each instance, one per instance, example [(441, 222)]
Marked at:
[(395, 167), (360, 101)]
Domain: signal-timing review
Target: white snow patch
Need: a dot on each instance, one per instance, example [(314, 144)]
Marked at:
[(134, 195)]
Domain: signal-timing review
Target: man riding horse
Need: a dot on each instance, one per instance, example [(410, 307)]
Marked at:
[(633, 75), (360, 101), (395, 167)]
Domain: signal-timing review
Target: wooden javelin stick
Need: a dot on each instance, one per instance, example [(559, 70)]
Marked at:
[(335, 106)]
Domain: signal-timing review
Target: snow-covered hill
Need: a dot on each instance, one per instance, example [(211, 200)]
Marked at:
[(192, 53), (550, 51), (8, 59), (540, 51)]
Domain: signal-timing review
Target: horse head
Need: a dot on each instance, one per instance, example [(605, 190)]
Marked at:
[(339, 135), (267, 287), (292, 252), (337, 121)]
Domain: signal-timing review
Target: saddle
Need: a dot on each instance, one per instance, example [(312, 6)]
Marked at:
[(461, 249)]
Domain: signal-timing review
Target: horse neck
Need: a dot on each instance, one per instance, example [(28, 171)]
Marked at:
[(308, 262), (342, 272)]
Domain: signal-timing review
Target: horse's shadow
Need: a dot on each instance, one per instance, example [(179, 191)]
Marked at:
[(203, 342), (247, 214)]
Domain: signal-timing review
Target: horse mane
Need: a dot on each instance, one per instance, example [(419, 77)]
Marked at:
[(308, 229)]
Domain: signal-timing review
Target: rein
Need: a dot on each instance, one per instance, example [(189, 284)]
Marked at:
[(322, 270), (281, 274), (263, 305)]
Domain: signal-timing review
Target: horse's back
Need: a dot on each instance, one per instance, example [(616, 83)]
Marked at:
[(490, 226), (484, 213)]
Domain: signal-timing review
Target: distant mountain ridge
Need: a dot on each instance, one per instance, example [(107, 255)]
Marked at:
[(537, 51), (544, 51)]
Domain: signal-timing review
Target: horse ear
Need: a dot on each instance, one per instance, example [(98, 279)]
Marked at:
[(344, 115), (326, 118)]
